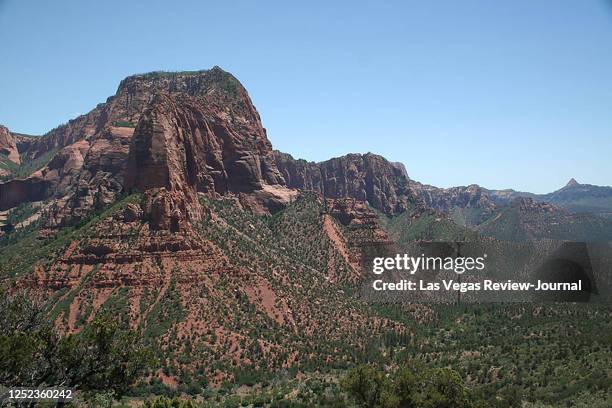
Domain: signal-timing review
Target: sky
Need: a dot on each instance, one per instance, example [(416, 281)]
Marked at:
[(514, 94)]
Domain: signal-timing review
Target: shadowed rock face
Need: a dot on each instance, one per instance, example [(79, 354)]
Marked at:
[(16, 192), (367, 177), (179, 142)]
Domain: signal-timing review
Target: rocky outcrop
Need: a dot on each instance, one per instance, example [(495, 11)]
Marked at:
[(445, 199), (531, 206), (184, 146), (8, 145), (15, 192), (179, 141), (180, 134), (366, 177), (362, 231)]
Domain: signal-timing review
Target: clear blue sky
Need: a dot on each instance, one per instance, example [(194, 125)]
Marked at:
[(504, 94)]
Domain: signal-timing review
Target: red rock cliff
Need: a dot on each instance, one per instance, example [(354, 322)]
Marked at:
[(367, 177), (8, 145)]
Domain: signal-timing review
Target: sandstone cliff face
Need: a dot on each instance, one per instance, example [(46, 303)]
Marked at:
[(185, 146), (15, 192), (8, 145), (367, 177), (215, 117), (180, 142)]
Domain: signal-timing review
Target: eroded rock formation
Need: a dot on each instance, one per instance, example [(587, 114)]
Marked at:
[(367, 177), (8, 145)]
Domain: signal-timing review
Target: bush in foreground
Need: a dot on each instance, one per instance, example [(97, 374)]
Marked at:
[(408, 387)]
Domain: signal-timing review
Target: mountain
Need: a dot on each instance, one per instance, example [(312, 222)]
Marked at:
[(526, 219), (582, 198), (467, 206), (94, 159), (167, 205), (573, 197), (234, 291), (576, 212)]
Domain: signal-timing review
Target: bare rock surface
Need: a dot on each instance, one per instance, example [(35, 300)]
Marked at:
[(366, 177), (8, 145)]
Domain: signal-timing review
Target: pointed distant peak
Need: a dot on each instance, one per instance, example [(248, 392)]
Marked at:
[(572, 183)]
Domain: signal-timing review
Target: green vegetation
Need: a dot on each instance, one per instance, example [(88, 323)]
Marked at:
[(6, 164), (22, 249), (363, 386), (163, 402), (510, 224), (122, 123), (408, 386), (224, 80), (103, 357), (21, 213), (27, 166), (469, 216), (520, 355), (496, 355), (403, 228), (588, 204), (168, 74), (505, 226), (553, 353), (231, 85)]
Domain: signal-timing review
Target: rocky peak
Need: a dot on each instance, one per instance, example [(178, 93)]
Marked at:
[(400, 166), (215, 87), (572, 183)]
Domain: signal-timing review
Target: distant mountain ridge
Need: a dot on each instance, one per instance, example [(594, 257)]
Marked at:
[(574, 212), (574, 197)]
